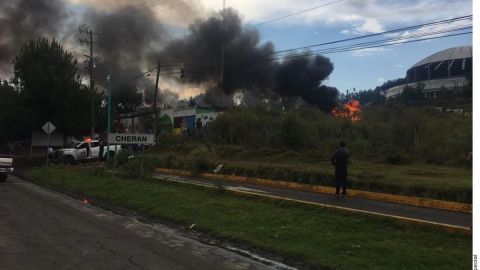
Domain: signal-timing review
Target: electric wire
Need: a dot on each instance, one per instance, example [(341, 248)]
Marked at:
[(355, 46), (297, 13)]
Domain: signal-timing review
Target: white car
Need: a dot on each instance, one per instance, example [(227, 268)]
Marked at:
[(87, 150)]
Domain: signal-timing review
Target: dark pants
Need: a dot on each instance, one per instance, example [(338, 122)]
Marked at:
[(341, 180)]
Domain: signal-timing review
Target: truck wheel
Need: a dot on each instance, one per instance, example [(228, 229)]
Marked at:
[(69, 160), (3, 177)]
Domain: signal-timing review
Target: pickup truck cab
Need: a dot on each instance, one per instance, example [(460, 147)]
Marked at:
[(6, 163), (87, 150)]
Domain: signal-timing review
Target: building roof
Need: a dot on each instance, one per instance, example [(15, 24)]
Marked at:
[(448, 54)]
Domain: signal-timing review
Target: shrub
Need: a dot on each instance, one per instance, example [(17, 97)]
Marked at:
[(134, 168), (200, 160), (396, 155)]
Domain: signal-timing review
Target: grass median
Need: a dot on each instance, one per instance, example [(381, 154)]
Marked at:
[(450, 183), (322, 238)]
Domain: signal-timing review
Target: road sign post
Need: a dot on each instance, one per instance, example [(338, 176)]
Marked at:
[(132, 138), (48, 128)]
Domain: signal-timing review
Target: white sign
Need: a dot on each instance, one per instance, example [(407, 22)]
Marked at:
[(48, 127), (130, 138)]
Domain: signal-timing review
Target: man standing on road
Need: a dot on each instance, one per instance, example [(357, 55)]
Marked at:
[(340, 161)]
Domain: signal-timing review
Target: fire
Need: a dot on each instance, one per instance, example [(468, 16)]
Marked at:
[(350, 111)]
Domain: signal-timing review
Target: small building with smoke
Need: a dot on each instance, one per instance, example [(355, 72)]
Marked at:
[(178, 121)]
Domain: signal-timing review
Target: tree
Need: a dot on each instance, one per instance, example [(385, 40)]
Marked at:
[(50, 87), (466, 91), (12, 115), (412, 93)]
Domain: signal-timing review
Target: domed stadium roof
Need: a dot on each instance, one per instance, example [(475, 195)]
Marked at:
[(448, 54)]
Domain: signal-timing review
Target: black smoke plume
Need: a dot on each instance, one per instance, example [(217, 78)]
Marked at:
[(301, 76), (133, 40), (249, 64), (24, 20), (125, 37)]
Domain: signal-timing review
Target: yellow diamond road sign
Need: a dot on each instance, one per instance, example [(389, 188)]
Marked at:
[(48, 127)]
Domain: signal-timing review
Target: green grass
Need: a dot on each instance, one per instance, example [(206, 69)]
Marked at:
[(323, 238), (453, 183)]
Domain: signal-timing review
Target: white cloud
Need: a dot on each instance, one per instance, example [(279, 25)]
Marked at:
[(370, 26), (355, 16), (368, 51), (381, 80), (361, 16), (399, 66)]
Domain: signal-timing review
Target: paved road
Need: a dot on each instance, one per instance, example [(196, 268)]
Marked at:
[(422, 214), (41, 229)]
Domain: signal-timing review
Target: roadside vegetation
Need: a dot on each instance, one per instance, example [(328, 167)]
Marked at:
[(416, 151), (322, 238), (431, 181), (390, 133)]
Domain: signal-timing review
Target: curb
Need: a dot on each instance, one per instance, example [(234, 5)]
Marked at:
[(399, 199)]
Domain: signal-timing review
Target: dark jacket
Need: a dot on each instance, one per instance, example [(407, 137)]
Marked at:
[(340, 159)]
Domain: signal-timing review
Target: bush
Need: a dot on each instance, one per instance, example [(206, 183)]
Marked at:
[(133, 168), (168, 161), (122, 157), (396, 156), (199, 160)]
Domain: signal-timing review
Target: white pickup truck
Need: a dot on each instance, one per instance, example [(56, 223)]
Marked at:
[(6, 166), (88, 150), (6, 162)]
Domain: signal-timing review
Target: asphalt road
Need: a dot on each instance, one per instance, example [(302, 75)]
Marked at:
[(42, 229), (419, 214)]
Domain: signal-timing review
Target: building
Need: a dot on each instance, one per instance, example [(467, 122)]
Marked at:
[(448, 69), (176, 120)]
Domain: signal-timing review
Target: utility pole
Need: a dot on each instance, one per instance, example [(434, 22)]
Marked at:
[(109, 79), (222, 50), (155, 114), (92, 102), (91, 67)]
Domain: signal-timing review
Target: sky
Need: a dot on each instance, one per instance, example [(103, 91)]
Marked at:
[(349, 18), (333, 20), (330, 20)]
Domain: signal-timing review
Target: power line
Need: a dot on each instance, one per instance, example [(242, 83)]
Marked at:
[(367, 47), (345, 40), (330, 51), (296, 13), (381, 33), (368, 43)]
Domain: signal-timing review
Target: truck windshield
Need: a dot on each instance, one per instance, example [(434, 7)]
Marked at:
[(82, 145)]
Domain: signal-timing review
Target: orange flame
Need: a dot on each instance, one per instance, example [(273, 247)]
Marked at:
[(350, 111)]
